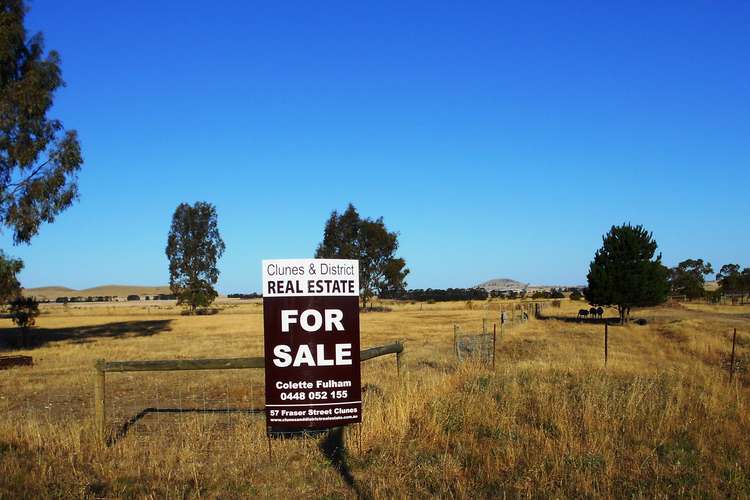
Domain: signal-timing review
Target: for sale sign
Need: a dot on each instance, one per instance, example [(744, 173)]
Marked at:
[(311, 334)]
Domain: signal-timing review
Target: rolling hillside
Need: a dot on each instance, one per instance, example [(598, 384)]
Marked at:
[(53, 292)]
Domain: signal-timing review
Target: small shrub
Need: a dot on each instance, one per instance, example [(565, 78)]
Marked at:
[(207, 311), (23, 311), (377, 309)]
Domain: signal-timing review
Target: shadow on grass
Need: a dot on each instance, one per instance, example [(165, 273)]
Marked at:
[(12, 338), (332, 445), (589, 321), (333, 448), (123, 430)]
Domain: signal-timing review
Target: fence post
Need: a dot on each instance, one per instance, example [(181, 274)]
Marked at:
[(494, 343), (731, 362), (455, 339), (606, 342), (99, 401), (398, 364)]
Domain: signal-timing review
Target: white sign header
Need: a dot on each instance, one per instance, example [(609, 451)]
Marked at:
[(310, 277)]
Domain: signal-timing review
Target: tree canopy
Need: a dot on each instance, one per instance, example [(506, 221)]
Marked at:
[(733, 280), (625, 273), (39, 159), (194, 247), (349, 236), (689, 277)]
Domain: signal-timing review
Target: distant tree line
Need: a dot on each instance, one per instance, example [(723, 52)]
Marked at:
[(448, 294), (508, 294), (548, 294), (245, 296), (438, 295), (554, 293), (111, 298)]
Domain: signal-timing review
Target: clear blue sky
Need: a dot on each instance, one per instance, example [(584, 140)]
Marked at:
[(499, 139)]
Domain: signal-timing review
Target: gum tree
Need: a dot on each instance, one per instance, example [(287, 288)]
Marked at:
[(194, 247), (39, 159), (349, 236), (689, 277)]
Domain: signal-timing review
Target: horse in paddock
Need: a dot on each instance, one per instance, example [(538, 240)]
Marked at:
[(599, 312), (582, 314), (592, 312)]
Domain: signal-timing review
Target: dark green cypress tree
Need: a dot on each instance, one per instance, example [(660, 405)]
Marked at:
[(624, 272)]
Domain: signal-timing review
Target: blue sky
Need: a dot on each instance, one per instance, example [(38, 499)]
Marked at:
[(499, 139)]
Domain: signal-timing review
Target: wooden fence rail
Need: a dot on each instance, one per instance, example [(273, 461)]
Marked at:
[(102, 367)]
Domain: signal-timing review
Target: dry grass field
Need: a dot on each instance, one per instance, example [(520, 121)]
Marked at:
[(661, 420)]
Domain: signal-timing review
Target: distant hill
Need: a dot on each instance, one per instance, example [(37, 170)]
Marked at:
[(502, 285), (49, 292), (508, 285), (53, 292), (711, 286)]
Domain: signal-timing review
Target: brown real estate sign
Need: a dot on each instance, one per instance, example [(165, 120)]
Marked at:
[(311, 336)]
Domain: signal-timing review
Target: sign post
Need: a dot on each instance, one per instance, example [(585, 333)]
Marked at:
[(311, 337)]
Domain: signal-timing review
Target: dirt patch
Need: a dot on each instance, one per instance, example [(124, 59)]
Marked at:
[(522, 349), (670, 333)]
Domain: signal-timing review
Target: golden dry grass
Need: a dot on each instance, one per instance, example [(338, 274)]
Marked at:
[(550, 421)]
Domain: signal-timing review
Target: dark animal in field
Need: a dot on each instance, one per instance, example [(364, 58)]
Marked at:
[(592, 312), (599, 312), (582, 313)]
